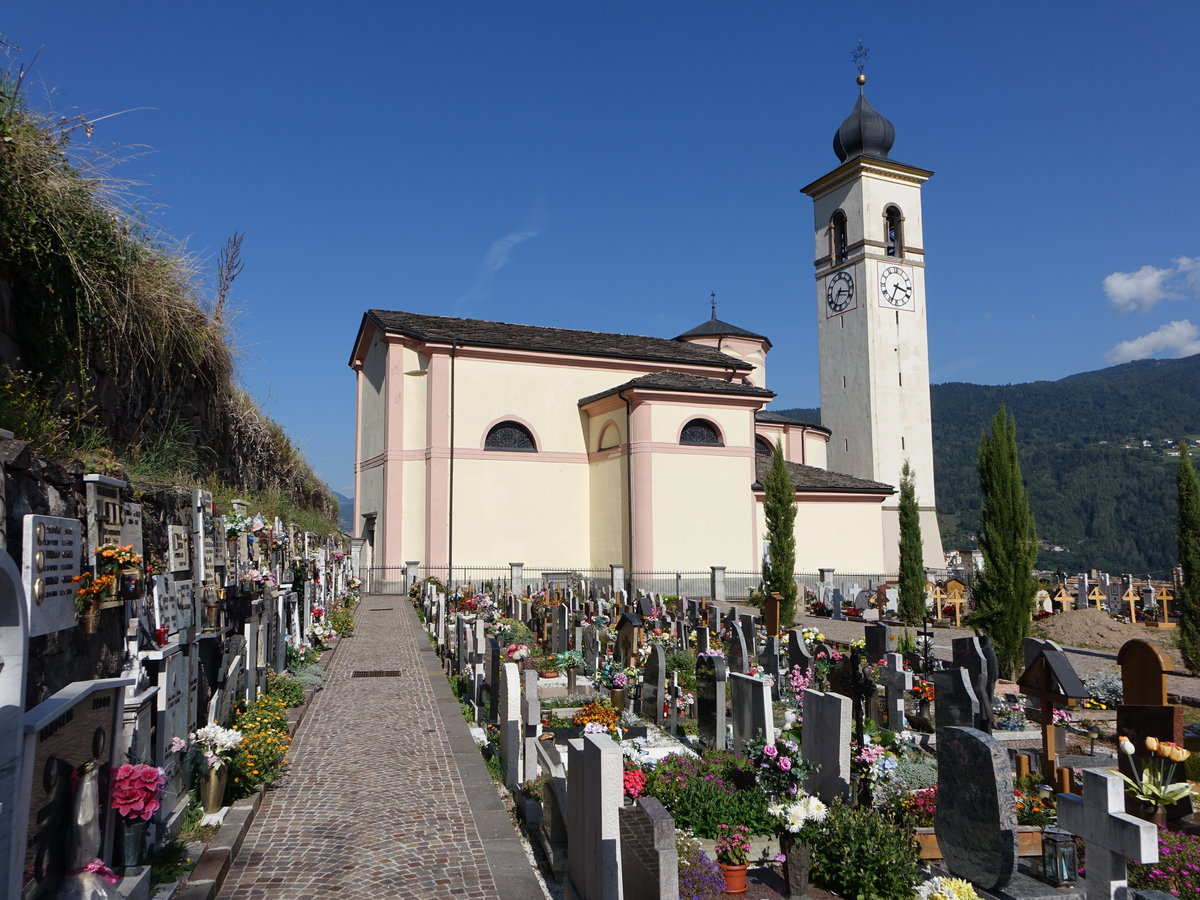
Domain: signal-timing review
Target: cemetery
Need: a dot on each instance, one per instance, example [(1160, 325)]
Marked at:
[(661, 746), (156, 652)]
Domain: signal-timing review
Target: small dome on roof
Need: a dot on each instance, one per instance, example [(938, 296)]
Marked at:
[(864, 133)]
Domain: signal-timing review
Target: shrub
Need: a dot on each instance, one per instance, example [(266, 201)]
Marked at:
[(1177, 871), (917, 771), (703, 793), (259, 757), (1106, 688), (342, 621), (284, 687), (860, 854), (309, 675), (683, 662)]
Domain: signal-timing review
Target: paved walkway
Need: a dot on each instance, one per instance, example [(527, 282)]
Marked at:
[(387, 795)]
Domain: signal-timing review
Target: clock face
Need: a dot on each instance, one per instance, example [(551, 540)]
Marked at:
[(839, 292), (895, 287)]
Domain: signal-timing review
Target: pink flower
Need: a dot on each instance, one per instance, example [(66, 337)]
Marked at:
[(785, 764), (770, 750)]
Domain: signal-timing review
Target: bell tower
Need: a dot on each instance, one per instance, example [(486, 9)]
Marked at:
[(874, 351)]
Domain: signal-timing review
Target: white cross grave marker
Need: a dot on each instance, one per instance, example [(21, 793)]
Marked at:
[(895, 682), (1112, 836)]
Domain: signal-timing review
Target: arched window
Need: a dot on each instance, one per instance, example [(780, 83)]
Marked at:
[(610, 437), (763, 447), (700, 432), (837, 238), (893, 232), (510, 436)]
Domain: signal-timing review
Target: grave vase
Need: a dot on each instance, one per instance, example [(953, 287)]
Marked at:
[(617, 697), (212, 788), (1151, 813), (795, 865), (212, 616), (89, 617), (735, 878), (133, 842)]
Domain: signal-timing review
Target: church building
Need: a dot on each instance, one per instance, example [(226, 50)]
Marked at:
[(482, 443)]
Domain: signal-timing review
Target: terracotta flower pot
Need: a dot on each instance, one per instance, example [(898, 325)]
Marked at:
[(735, 878)]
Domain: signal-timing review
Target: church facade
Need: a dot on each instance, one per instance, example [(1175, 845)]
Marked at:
[(482, 443)]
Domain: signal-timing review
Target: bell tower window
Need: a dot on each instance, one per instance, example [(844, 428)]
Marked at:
[(893, 232), (837, 238)]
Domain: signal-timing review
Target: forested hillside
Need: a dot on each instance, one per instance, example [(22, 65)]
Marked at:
[(1095, 490)]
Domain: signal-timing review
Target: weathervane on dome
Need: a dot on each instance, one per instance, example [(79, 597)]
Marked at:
[(860, 57), (713, 295)]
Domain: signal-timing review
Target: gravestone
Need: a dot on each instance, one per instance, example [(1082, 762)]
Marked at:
[(104, 510), (968, 655), (178, 557), (645, 605), (711, 678), (171, 707), (50, 557), (590, 647), (1143, 673), (769, 663), (825, 744), (895, 681), (749, 628), (649, 861), (509, 721), (881, 640), (131, 526), (702, 639), (772, 607), (1112, 836), (750, 701), (654, 686), (798, 653), (976, 816), (837, 600), (14, 653), (595, 791), (957, 704), (531, 719), (737, 653), (560, 629), (495, 656)]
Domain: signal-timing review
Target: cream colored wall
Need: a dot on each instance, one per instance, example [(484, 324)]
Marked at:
[(412, 519), (518, 508), (816, 446), (609, 533), (702, 512), (416, 396), (667, 421), (847, 536), (374, 383)]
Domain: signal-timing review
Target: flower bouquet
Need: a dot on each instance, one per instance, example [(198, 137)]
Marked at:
[(135, 790), (1153, 784), (780, 769), (799, 817), (214, 745), (113, 557), (568, 659), (516, 652)]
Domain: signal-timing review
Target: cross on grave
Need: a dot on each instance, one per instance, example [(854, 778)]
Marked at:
[(895, 681), (1164, 598), (955, 594), (1096, 596), (1112, 836), (1050, 679)]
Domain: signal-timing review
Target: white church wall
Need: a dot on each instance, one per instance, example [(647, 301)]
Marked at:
[(816, 446), (607, 493), (835, 532)]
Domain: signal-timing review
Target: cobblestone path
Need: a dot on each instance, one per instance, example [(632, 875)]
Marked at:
[(382, 798)]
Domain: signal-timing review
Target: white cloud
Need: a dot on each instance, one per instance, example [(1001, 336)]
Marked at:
[(1175, 339), (1144, 289), (499, 252)]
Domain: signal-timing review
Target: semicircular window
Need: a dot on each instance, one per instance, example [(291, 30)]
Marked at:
[(763, 447), (510, 436), (700, 432)]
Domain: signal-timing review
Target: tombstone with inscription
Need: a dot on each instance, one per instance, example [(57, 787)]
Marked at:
[(737, 653), (14, 653), (969, 656), (798, 652), (711, 678), (50, 554), (654, 686)]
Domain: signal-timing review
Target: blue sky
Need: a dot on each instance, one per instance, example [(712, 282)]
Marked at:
[(607, 165)]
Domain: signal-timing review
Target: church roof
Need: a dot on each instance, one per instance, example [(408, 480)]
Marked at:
[(864, 132), (481, 333), (714, 327), (810, 478), (774, 418), (691, 384)]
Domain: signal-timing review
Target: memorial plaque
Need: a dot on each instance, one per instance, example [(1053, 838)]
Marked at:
[(172, 712), (131, 526), (179, 559), (201, 513), (185, 601), (51, 555), (167, 603), (104, 509)]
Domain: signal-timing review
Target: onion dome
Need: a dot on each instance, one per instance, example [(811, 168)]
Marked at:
[(865, 132)]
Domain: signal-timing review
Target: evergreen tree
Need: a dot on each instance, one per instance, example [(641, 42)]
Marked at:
[(1188, 604), (912, 552), (1004, 589), (779, 565)]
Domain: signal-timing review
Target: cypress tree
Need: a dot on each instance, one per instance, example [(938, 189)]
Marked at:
[(1004, 589), (1188, 604), (912, 552), (779, 507)]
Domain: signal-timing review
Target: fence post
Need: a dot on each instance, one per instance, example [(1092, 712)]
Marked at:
[(410, 573), (717, 584), (516, 572)]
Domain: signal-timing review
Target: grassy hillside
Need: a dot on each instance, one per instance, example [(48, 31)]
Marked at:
[(1095, 490)]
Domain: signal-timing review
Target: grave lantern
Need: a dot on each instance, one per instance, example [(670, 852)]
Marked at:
[(1059, 865)]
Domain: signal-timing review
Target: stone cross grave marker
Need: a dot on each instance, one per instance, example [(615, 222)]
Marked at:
[(1112, 836), (751, 704), (798, 653), (654, 685), (1143, 673), (976, 817), (895, 681), (711, 677), (595, 791), (825, 743), (969, 656), (836, 601), (14, 653), (1051, 680), (50, 557)]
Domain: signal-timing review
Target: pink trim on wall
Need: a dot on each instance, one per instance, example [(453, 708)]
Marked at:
[(544, 456), (717, 428), (437, 472), (358, 391), (643, 489), (701, 449), (537, 441), (392, 523), (611, 453)]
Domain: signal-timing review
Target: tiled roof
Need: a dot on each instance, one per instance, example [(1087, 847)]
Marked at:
[(810, 478), (692, 384), (774, 418), (716, 328), (481, 333)]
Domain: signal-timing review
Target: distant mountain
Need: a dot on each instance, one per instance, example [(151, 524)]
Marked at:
[(1097, 493), (345, 512)]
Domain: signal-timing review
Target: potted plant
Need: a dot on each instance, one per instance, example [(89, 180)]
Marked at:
[(209, 755), (1153, 785), (93, 591), (733, 854), (569, 661), (135, 790), (798, 823), (124, 565)]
